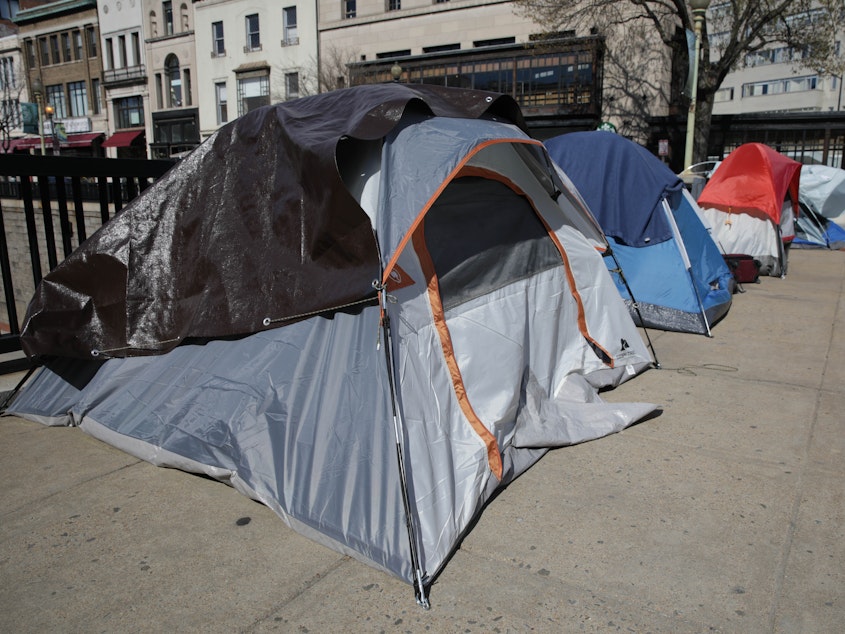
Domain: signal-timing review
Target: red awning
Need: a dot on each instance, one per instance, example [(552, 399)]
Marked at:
[(16, 144), (25, 143), (122, 139), (73, 140)]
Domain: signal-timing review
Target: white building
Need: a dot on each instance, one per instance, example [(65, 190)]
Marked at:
[(13, 90), (252, 53), (124, 77), (171, 71)]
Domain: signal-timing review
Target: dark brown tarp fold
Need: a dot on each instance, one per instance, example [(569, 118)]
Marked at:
[(252, 230)]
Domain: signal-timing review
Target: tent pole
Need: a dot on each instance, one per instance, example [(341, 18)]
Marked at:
[(700, 303), (618, 270), (10, 396), (682, 251), (781, 252), (419, 586)]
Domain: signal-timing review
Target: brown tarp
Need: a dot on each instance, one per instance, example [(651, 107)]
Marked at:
[(253, 230)]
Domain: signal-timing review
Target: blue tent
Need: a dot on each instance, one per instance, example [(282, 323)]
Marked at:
[(672, 266), (814, 231)]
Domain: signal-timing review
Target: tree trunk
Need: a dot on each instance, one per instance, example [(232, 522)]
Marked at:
[(707, 86)]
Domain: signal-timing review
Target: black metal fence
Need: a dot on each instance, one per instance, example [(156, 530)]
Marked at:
[(55, 196)]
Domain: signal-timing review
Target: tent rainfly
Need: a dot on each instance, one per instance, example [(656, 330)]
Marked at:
[(667, 267), (369, 309), (751, 202)]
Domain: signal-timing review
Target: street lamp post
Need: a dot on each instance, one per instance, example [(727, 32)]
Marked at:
[(699, 8), (38, 91), (50, 110)]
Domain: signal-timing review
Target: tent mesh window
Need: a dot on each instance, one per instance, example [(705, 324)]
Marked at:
[(482, 236)]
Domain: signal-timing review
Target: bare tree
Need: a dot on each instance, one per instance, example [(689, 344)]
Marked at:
[(331, 71), (328, 72), (11, 89), (642, 34)]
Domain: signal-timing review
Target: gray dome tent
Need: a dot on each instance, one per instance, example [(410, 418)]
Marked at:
[(309, 308)]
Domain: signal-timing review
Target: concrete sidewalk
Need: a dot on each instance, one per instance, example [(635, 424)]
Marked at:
[(725, 513)]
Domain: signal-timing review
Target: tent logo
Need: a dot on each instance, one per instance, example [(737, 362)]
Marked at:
[(397, 278), (625, 345)]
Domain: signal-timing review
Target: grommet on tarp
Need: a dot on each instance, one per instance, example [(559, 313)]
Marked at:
[(266, 321)]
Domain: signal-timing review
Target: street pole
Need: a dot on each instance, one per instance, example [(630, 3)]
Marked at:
[(699, 8), (38, 91), (54, 137)]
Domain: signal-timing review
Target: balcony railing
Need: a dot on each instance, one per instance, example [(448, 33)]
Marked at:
[(131, 74)]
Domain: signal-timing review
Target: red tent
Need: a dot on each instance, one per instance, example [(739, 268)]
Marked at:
[(753, 178)]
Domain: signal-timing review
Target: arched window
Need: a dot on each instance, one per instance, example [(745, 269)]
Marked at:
[(184, 20), (153, 24), (173, 81)]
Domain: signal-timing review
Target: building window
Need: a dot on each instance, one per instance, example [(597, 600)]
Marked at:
[(167, 16), (173, 79), (391, 54), (44, 51), (136, 48), (779, 86), (55, 95), (109, 60), (497, 42), (96, 104), (159, 92), (349, 9), (253, 35), (253, 92), (394, 5), (66, 47), (54, 49), (222, 106), (121, 51), (30, 53), (289, 33), (183, 17), (8, 81), (441, 48), (77, 45), (291, 85), (10, 110), (129, 112), (723, 94), (218, 44), (186, 86), (91, 34), (153, 24), (78, 97), (173, 136)]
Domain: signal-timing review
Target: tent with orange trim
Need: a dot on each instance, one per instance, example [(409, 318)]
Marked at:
[(751, 202), (369, 309)]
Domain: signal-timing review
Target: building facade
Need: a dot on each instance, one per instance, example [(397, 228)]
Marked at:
[(156, 77), (172, 63), (60, 43), (13, 88), (480, 44), (125, 78), (252, 54)]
